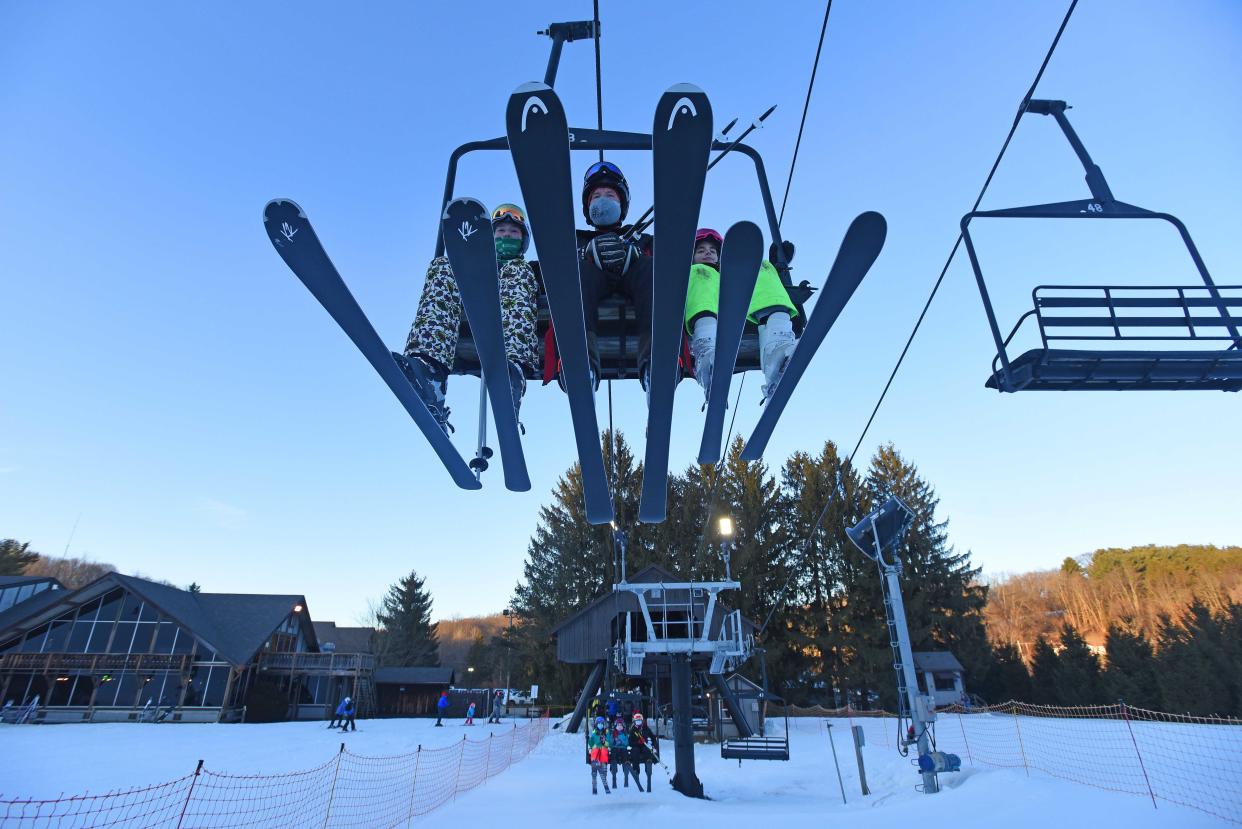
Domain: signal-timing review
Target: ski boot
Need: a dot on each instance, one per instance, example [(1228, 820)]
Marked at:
[(429, 382), (703, 350), (776, 347)]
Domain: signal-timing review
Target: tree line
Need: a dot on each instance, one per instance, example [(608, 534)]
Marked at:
[(819, 601)]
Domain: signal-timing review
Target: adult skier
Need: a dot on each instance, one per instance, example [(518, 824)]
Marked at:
[(339, 715), (610, 264), (442, 705), (644, 748), (598, 744), (770, 309), (498, 702), (432, 343), (347, 719)]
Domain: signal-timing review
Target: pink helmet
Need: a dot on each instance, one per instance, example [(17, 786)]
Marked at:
[(707, 233)]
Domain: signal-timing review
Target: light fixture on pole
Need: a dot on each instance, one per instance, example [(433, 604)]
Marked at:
[(725, 526), (508, 612)]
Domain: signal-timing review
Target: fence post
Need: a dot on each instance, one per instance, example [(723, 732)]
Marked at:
[(964, 740), (1013, 707), (487, 761), (461, 757), (1125, 714), (189, 794), (512, 743), (332, 791), (418, 755)]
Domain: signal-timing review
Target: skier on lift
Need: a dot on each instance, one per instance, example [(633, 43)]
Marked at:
[(432, 342), (770, 309), (610, 264)]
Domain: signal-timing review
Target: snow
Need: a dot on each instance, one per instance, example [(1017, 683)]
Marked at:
[(552, 785)]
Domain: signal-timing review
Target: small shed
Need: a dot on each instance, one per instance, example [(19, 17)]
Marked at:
[(940, 674), (410, 692)]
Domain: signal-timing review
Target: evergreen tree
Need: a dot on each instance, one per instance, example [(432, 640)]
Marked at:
[(1195, 672), (408, 635), (1007, 677), (15, 556), (1044, 664), (194, 587), (1077, 676), (1130, 674)]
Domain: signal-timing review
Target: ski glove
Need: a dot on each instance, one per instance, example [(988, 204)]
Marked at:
[(609, 253)]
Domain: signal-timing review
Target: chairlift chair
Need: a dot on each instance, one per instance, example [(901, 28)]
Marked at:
[(1181, 314), (617, 334)]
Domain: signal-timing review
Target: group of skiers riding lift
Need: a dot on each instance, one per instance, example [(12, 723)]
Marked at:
[(613, 742), (610, 261)]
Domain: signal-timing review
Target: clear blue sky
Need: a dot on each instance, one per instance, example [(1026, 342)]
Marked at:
[(167, 379)]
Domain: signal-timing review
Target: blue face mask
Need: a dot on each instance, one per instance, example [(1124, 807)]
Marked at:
[(605, 212)]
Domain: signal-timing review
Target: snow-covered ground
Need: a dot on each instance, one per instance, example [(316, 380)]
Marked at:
[(552, 785)]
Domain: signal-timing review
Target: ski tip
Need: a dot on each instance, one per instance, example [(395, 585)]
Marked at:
[(871, 220), (750, 454), (683, 89), (531, 86), (276, 204), (469, 203)]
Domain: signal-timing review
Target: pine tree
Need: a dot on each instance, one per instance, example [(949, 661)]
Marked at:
[(1130, 673), (408, 635), (1195, 672), (15, 556), (1044, 663), (194, 587), (1007, 677), (1077, 677)]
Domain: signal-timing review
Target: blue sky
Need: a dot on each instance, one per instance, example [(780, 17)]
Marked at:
[(168, 380)]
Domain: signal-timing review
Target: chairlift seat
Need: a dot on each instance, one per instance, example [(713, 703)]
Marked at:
[(1092, 313), (755, 748), (617, 337)]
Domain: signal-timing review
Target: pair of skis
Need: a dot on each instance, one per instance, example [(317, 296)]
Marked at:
[(468, 240), (739, 267)]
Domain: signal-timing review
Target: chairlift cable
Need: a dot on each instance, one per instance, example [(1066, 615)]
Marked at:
[(805, 107), (599, 102), (720, 470), (935, 288)]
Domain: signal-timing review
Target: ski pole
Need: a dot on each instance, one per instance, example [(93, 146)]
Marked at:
[(644, 221)]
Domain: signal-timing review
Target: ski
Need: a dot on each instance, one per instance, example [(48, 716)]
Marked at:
[(681, 139), (740, 258), (467, 230), (859, 249), (539, 142), (295, 240)]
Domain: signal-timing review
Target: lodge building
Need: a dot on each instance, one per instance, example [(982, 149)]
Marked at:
[(124, 648)]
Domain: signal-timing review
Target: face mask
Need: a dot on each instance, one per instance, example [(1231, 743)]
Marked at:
[(605, 212), (508, 248)]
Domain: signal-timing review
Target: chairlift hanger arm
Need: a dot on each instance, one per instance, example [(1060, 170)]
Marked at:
[(562, 33), (1095, 176)]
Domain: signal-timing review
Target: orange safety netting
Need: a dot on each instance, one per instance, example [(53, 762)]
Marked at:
[(350, 790)]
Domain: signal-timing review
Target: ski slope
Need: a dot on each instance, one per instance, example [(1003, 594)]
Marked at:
[(552, 785)]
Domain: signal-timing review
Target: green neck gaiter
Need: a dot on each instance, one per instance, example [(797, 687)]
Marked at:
[(507, 249)]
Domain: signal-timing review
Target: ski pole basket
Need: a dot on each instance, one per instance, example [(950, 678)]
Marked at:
[(1172, 315)]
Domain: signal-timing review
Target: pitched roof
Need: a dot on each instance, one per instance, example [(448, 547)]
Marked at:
[(13, 581), (346, 640), (937, 661), (39, 601), (414, 676)]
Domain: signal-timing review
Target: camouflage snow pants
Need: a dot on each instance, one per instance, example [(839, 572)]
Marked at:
[(438, 320)]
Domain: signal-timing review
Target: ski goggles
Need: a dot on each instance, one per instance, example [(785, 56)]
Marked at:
[(510, 212), (603, 167), (706, 233)]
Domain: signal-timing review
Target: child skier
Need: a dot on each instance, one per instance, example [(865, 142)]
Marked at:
[(598, 743), (470, 715), (432, 343), (339, 715), (347, 718), (620, 756), (770, 309), (644, 747)]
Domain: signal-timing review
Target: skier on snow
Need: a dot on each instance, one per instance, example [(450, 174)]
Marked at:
[(432, 342), (598, 743), (610, 264), (498, 702), (770, 309), (470, 715), (347, 718), (442, 708), (339, 715), (644, 748)]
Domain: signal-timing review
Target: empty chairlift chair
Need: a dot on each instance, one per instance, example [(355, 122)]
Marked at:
[(1168, 315)]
